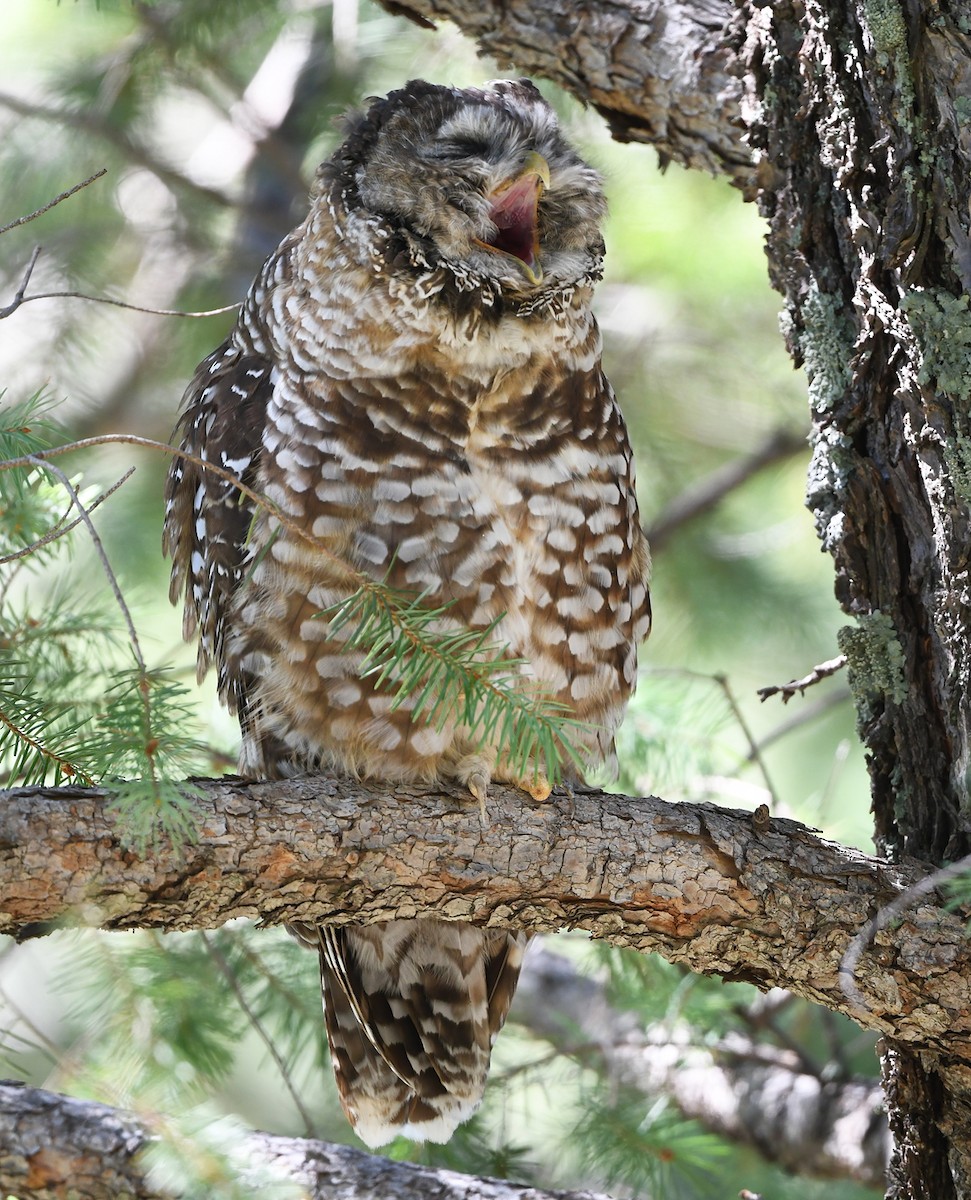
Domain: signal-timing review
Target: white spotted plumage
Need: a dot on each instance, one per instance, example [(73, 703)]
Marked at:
[(415, 380)]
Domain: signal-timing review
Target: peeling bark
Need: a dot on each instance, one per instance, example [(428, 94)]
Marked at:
[(59, 1148)]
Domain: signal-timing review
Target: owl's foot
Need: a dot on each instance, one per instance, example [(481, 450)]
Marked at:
[(540, 788)]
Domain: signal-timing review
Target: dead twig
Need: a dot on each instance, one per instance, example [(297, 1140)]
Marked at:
[(155, 312), (51, 203), (890, 912), (788, 690), (18, 299)]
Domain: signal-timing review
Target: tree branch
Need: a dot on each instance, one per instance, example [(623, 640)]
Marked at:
[(753, 1093), (706, 493), (59, 1148), (658, 73), (768, 903)]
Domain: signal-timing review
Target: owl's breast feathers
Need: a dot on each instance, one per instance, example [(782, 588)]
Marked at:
[(485, 465)]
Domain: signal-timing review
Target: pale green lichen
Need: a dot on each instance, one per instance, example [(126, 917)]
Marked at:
[(957, 456), (875, 659), (827, 481), (942, 326), (888, 28), (826, 344), (885, 20)]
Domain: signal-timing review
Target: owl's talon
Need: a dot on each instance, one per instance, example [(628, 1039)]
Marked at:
[(478, 785)]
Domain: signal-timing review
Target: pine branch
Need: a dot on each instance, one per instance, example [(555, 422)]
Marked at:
[(455, 673), (66, 712), (25, 750)]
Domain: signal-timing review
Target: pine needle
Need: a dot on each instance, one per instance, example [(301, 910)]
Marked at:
[(446, 672)]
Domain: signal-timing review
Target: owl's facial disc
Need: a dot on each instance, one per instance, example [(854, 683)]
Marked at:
[(513, 209)]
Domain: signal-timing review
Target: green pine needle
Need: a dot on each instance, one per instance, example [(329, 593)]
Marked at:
[(456, 673), (141, 750), (41, 739), (648, 1148)]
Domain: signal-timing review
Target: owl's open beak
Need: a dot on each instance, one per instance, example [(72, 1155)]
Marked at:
[(513, 210)]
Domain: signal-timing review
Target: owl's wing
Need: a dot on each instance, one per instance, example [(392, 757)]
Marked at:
[(412, 1010), (207, 518)]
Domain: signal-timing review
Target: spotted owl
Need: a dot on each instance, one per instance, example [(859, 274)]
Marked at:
[(415, 380)]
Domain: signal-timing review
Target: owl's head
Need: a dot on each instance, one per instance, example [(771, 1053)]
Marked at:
[(479, 181)]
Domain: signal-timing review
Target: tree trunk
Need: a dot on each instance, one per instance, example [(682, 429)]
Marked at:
[(857, 113)]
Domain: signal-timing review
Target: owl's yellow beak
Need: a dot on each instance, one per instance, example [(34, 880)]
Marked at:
[(513, 208)]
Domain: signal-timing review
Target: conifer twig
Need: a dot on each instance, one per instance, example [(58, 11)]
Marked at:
[(38, 212), (85, 518), (18, 299), (60, 764), (59, 530), (155, 312), (755, 753), (259, 1029), (144, 689)]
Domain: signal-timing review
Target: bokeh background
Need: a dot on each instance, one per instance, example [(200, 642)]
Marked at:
[(210, 118)]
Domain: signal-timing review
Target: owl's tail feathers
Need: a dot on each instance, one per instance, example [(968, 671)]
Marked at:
[(412, 1010)]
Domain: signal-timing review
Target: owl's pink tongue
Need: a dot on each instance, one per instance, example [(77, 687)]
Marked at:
[(514, 213)]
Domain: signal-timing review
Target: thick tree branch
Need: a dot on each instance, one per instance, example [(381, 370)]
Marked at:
[(755, 1094), (59, 1148), (658, 73), (765, 902)]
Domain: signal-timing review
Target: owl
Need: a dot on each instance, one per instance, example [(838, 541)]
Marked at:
[(415, 382)]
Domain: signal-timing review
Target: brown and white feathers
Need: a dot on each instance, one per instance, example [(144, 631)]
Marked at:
[(415, 379)]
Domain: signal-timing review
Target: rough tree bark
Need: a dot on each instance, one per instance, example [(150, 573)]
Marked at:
[(726, 893), (657, 72), (857, 116), (860, 115)]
